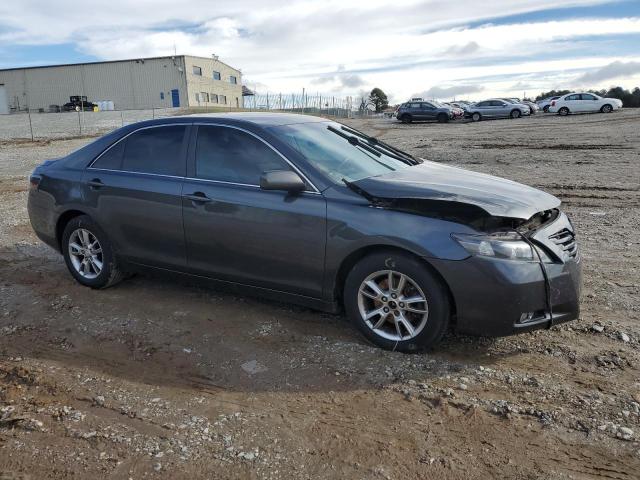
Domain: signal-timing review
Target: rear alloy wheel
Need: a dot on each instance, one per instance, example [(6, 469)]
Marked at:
[(396, 302), (606, 108), (545, 109), (443, 118), (89, 255), (563, 111), (515, 113), (406, 118), (476, 117)]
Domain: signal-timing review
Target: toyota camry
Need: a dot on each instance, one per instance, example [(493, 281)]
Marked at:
[(311, 211)]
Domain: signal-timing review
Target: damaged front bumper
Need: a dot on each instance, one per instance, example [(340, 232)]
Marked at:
[(497, 297)]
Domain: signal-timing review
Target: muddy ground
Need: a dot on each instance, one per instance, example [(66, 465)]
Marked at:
[(160, 378)]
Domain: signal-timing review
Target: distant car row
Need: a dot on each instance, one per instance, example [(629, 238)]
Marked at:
[(418, 109)]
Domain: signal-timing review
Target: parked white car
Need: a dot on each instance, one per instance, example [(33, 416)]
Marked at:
[(582, 103)]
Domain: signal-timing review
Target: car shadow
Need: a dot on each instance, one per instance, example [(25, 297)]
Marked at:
[(173, 331)]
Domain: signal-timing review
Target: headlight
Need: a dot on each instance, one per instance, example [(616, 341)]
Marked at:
[(506, 245)]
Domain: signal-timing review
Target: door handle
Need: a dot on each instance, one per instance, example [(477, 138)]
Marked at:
[(95, 183), (197, 197)]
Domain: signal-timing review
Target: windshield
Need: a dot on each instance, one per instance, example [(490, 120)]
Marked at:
[(340, 152)]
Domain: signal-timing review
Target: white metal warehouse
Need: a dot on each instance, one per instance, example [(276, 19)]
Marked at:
[(158, 82)]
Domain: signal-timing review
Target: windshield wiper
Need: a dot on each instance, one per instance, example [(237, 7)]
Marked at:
[(384, 147), (354, 141), (357, 143)]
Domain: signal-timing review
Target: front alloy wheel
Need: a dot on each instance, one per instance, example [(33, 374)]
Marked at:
[(397, 301), (393, 305)]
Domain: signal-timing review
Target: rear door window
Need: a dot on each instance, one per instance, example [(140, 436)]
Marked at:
[(111, 159), (231, 155), (587, 96), (156, 150)]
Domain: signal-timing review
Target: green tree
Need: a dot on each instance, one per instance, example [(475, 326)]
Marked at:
[(379, 99)]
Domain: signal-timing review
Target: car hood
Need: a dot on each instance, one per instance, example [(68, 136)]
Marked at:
[(433, 181)]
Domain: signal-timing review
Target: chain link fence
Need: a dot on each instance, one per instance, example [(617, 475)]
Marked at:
[(38, 125)]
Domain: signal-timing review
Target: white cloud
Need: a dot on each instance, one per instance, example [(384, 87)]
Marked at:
[(610, 71), (401, 46), (450, 92)]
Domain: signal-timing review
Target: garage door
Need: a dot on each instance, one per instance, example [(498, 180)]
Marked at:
[(4, 105)]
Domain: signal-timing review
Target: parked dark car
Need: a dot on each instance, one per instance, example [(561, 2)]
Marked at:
[(420, 111), (304, 209)]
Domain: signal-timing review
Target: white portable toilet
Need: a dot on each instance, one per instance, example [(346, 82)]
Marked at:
[(4, 104)]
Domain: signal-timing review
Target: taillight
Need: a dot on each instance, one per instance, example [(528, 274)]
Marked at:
[(553, 103)]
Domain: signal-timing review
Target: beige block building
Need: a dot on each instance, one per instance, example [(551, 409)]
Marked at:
[(157, 82)]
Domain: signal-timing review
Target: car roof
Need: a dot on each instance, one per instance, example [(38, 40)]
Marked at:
[(264, 119)]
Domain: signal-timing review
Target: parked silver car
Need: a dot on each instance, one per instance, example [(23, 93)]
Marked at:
[(496, 108), (545, 103), (533, 108)]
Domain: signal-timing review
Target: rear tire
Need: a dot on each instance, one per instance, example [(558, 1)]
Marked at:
[(545, 109), (564, 111), (443, 118), (476, 117), (606, 108), (427, 315), (406, 118), (89, 255)]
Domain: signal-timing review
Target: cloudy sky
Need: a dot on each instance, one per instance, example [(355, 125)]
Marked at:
[(436, 48)]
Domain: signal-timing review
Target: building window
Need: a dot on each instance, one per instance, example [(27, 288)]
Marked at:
[(197, 97), (197, 70), (161, 95), (214, 98), (233, 80), (204, 96), (223, 99), (216, 75)]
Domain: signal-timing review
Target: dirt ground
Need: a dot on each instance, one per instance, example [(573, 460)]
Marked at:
[(160, 378)]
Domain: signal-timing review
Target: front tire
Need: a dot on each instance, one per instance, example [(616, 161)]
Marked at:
[(515, 113), (443, 118), (396, 302), (564, 111), (476, 117), (406, 118), (606, 108), (89, 255)]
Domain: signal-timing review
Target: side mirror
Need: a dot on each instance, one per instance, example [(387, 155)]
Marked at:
[(282, 180)]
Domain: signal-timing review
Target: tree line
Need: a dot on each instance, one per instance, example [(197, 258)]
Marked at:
[(629, 98)]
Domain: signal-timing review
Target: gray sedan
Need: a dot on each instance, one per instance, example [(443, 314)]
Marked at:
[(307, 210), (496, 108)]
